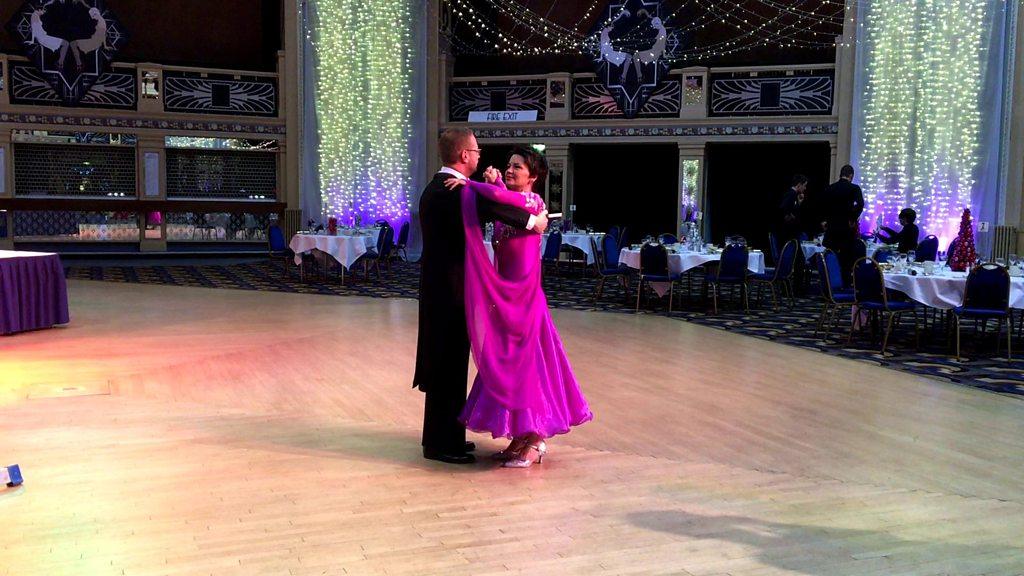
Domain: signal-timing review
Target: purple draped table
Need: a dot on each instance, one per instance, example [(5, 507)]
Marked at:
[(33, 292)]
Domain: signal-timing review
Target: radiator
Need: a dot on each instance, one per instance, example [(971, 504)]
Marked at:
[(292, 221), (1004, 241)]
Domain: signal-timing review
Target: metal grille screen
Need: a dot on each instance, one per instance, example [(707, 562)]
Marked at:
[(217, 174), (61, 170)]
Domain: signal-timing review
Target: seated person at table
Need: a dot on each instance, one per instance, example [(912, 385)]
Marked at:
[(907, 236)]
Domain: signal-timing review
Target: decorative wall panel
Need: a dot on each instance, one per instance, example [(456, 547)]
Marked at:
[(466, 97), (114, 90), (219, 94), (807, 93), (590, 99)]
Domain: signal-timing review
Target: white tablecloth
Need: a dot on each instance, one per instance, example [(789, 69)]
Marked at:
[(579, 240), (343, 248), (810, 249), (944, 290), (682, 261), (23, 254), (685, 260)]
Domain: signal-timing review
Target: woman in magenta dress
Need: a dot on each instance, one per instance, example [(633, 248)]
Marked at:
[(525, 389)]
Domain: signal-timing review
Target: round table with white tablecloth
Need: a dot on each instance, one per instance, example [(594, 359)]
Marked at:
[(945, 289), (579, 240), (810, 249), (345, 247), (681, 260)]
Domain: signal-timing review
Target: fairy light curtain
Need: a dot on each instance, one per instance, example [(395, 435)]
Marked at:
[(364, 125), (930, 97)]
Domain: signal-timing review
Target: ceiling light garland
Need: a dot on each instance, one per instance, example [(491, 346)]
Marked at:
[(759, 30), (364, 107)]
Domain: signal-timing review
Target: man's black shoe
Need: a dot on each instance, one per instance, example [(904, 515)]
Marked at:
[(470, 447), (449, 458)]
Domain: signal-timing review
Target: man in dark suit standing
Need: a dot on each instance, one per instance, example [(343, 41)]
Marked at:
[(843, 203), (442, 350), (792, 208)]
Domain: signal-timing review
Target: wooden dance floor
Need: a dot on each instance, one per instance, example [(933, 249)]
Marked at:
[(174, 430)]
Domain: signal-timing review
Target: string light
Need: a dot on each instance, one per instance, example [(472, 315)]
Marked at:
[(920, 139), (363, 107), (689, 185), (788, 26)]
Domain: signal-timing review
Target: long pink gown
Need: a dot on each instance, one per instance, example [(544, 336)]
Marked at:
[(525, 383)]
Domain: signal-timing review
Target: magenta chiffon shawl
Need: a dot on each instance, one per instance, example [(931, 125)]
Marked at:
[(503, 316)]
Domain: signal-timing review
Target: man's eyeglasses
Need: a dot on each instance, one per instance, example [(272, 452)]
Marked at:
[(477, 150)]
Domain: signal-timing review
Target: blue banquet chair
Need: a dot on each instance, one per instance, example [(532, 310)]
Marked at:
[(552, 250), (731, 269), (781, 275), (987, 296), (870, 294), (403, 240), (614, 233), (606, 265), (654, 268), (830, 277), (278, 248), (927, 249)]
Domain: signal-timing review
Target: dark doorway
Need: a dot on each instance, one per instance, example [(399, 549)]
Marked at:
[(497, 155), (632, 185), (493, 155), (746, 181)]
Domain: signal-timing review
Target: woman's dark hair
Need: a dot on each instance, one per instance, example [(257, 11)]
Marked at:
[(799, 179), (535, 162), (909, 215)]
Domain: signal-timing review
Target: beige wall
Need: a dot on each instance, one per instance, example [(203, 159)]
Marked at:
[(1013, 201)]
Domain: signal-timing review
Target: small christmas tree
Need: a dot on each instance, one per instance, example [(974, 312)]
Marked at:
[(964, 255)]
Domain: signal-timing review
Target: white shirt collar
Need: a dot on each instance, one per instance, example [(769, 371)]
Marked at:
[(453, 172)]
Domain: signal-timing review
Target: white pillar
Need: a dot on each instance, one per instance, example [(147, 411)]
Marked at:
[(842, 102)]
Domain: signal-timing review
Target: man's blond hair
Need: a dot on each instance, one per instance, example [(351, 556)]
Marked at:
[(452, 142)]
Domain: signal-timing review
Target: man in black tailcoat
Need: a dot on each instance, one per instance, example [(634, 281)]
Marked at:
[(442, 351), (843, 203)]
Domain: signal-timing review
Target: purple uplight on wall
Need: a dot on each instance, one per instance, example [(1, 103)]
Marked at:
[(936, 215), (367, 204)]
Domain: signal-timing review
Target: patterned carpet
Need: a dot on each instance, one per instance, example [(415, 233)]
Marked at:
[(981, 367)]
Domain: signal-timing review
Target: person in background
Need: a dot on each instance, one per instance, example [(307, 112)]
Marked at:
[(843, 203), (792, 224), (906, 238), (792, 208)]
